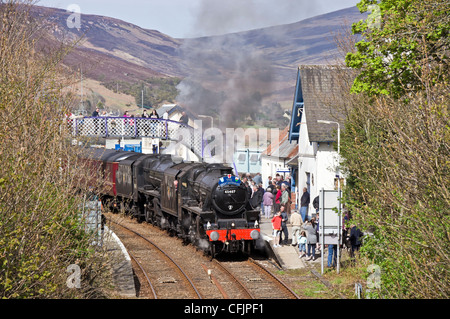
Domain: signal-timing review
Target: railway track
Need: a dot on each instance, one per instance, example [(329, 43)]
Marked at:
[(143, 277), (162, 269), (255, 281), (195, 275)]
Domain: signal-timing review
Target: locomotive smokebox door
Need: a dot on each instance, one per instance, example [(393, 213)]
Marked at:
[(229, 196)]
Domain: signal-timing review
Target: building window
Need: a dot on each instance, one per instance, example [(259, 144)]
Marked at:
[(254, 158)]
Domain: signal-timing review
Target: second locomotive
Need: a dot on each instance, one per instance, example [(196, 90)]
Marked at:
[(204, 204)]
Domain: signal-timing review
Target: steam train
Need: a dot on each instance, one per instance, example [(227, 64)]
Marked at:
[(202, 203)]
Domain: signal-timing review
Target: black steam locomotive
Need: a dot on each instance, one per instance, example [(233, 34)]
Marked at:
[(202, 203)]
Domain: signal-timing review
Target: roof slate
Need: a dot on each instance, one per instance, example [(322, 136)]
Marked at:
[(322, 87)]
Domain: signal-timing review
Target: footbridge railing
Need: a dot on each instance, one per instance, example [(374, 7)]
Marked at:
[(135, 127)]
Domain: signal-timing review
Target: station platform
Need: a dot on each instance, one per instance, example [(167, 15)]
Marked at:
[(121, 265), (286, 255)]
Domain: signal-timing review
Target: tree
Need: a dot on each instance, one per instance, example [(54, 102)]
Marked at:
[(402, 41), (395, 155), (396, 144), (41, 232)]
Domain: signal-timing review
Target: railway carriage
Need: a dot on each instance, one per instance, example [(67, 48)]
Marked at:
[(202, 203)]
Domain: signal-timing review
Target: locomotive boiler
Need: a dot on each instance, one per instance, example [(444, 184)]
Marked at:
[(204, 204)]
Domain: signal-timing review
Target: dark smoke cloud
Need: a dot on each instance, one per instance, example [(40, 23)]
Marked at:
[(234, 73), (228, 75)]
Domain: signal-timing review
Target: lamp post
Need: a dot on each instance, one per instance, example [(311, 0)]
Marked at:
[(339, 188)]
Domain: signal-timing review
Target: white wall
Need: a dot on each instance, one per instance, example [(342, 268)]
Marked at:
[(270, 165), (319, 160), (178, 149), (175, 116), (326, 158), (306, 161)]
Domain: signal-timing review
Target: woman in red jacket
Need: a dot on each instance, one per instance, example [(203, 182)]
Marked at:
[(277, 204), (276, 224)]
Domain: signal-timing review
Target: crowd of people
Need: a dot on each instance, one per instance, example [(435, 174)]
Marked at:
[(269, 195), (145, 114), (273, 196)]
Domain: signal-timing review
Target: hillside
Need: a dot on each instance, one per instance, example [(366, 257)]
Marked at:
[(261, 62)]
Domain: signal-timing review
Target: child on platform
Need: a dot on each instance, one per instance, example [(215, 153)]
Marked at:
[(302, 240)]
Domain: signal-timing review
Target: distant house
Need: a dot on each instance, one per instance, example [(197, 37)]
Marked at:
[(247, 161), (174, 111), (317, 97)]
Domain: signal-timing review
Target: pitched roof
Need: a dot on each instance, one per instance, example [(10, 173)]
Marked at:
[(322, 88), (171, 108), (282, 147)]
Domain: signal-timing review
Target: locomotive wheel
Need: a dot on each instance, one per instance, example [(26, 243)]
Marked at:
[(148, 215), (192, 235), (182, 232), (134, 211), (157, 214), (198, 233)]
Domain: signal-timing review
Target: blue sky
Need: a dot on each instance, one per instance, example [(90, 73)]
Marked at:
[(192, 18)]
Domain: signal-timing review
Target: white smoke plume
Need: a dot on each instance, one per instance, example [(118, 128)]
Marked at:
[(236, 72), (230, 74)]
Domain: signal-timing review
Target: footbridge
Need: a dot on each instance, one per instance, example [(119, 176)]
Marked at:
[(174, 134)]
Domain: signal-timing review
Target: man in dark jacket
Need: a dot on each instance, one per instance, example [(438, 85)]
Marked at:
[(304, 203), (257, 197), (316, 204), (96, 121), (355, 239), (284, 229)]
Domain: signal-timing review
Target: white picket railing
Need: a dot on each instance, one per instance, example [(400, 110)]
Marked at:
[(132, 127)]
